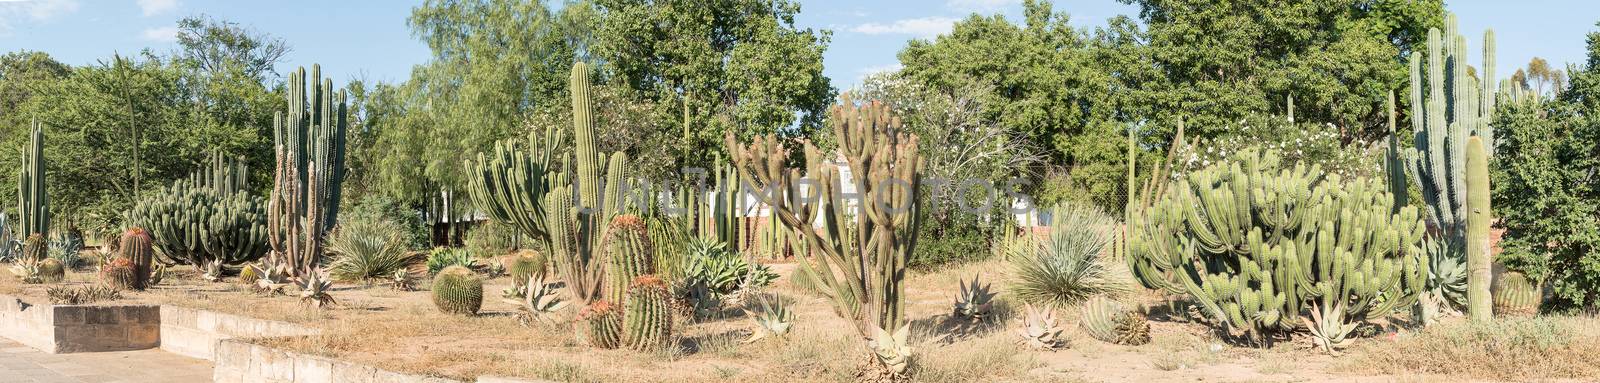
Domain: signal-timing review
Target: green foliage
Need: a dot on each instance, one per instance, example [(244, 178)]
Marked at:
[(457, 290), (368, 248), (961, 237), (1070, 265), (491, 239), (1544, 189), (444, 257), (409, 220)]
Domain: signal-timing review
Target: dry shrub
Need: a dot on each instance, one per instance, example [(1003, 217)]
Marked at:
[(1507, 349)]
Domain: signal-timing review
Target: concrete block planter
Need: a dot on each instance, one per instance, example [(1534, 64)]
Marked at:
[(60, 329)]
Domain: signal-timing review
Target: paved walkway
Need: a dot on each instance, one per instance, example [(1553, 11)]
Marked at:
[(23, 364)]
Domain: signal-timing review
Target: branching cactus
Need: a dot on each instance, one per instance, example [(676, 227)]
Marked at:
[(1447, 108), (860, 261), (33, 202), (197, 225), (309, 143), (1255, 243)]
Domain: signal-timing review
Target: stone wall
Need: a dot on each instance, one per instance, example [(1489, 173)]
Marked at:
[(240, 362), (76, 328), (195, 333)]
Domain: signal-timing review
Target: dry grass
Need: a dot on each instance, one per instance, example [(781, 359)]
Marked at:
[(1508, 349)]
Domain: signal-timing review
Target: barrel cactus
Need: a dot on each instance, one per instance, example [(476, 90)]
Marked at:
[(456, 290), (646, 315), (602, 324), (523, 265), (629, 255), (1256, 242), (52, 271), (35, 248), (1111, 322), (1515, 295), (138, 247), (120, 273)]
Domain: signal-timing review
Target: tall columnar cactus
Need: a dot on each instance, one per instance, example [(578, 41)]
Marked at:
[(1478, 217), (555, 197), (457, 290), (196, 225), (309, 143), (647, 315), (629, 255), (138, 248), (1255, 243), (1447, 107), (33, 202), (859, 262)]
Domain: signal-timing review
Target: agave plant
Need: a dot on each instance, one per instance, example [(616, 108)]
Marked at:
[(443, 257), (401, 280), (314, 289), (1329, 332), (1039, 329), (891, 350), (975, 300), (213, 271), (772, 318), (539, 301), (709, 262), (27, 271)]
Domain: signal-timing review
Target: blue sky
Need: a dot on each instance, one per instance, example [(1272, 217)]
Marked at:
[(369, 38)]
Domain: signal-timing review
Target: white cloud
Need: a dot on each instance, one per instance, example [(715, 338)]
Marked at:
[(161, 34), (979, 5), (922, 27), (876, 69), (14, 11), (155, 7)]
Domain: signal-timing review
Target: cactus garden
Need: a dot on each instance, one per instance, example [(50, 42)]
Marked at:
[(682, 191)]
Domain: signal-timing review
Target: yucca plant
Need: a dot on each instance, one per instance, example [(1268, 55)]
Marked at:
[(314, 289), (975, 300), (1039, 329), (368, 248), (1068, 266), (538, 302)]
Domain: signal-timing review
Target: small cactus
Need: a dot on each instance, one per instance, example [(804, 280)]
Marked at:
[(1109, 321), (456, 290), (120, 273), (52, 271), (647, 317), (249, 274), (35, 249), (629, 255), (975, 300), (602, 324), (1040, 330), (1515, 295)]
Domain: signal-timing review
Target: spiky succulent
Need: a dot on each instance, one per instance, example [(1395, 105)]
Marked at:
[(1109, 321), (81, 295), (157, 272), (1328, 331), (975, 300), (27, 271), (402, 280), (213, 271), (120, 273), (249, 274), (457, 290), (602, 324), (538, 302), (314, 289), (892, 350), (772, 318), (1039, 329)]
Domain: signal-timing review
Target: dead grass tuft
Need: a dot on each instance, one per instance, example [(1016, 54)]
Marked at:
[(1508, 349)]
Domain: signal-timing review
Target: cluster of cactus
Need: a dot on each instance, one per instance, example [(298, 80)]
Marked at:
[(975, 301), (1255, 242), (33, 202), (1039, 329), (533, 185), (1107, 320), (1450, 115), (1515, 295), (457, 290), (863, 275), (196, 225), (309, 174)]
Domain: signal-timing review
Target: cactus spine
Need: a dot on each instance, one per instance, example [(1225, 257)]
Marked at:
[(33, 202), (647, 316), (52, 271), (523, 265), (309, 142), (457, 290), (859, 262), (1478, 218), (1110, 322)]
